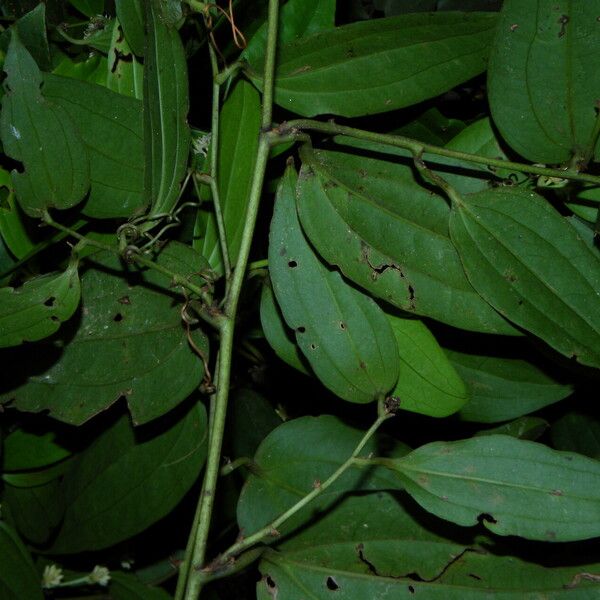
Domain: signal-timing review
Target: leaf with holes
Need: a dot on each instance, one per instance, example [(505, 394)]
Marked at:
[(389, 234), (129, 343), (238, 142), (504, 388), (300, 453), (344, 335), (532, 266), (166, 103), (378, 65), (18, 576), (514, 487), (546, 109), (124, 72), (377, 546), (131, 16), (41, 136), (427, 383), (128, 479), (36, 309), (110, 126)]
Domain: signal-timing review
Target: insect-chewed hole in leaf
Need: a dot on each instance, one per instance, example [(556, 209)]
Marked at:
[(313, 347), (54, 318), (301, 329), (270, 583), (342, 325), (475, 576), (292, 264), (331, 584), (411, 589), (118, 318), (485, 517), (50, 302)]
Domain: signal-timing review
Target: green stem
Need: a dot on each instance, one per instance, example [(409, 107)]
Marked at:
[(175, 278), (195, 559), (258, 264), (417, 147), (214, 159), (272, 528)]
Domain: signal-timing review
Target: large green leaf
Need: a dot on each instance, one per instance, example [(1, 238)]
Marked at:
[(514, 487), (427, 383), (531, 265), (577, 432), (32, 32), (110, 126), (40, 135), (297, 455), (380, 65), (12, 224), (344, 335), (373, 546), (130, 343), (36, 309), (389, 234), (128, 479), (297, 18), (23, 450), (504, 388), (544, 77), (18, 577), (166, 103), (277, 333), (238, 142)]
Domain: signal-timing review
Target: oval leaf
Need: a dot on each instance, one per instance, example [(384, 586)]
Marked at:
[(130, 342), (427, 382), (514, 487), (531, 265), (18, 577), (504, 388), (166, 132), (343, 334), (110, 126), (577, 432), (124, 481), (377, 66), (545, 107), (389, 234), (40, 135), (131, 16), (36, 310)]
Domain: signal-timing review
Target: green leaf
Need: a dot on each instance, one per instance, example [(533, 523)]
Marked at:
[(577, 432), (530, 264), (343, 334), (12, 225), (18, 577), (376, 547), (40, 135), (277, 333), (130, 343), (97, 34), (501, 389), (32, 32), (166, 103), (546, 109), (238, 143), (298, 18), (126, 586), (131, 16), (514, 487), (36, 511), (92, 68), (24, 450), (292, 458), (124, 72), (428, 383), (389, 234), (524, 428), (110, 126), (377, 66), (128, 479), (432, 127), (36, 309)]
